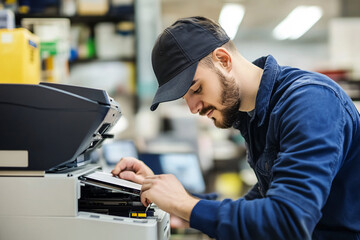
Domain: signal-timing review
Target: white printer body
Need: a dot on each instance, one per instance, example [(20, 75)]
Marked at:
[(43, 208), (45, 197)]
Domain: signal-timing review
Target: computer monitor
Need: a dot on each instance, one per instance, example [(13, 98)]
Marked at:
[(114, 151), (185, 166)]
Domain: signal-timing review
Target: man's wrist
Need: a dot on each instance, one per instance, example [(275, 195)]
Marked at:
[(185, 207)]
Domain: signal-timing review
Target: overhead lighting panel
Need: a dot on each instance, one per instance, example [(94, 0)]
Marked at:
[(230, 18), (298, 22)]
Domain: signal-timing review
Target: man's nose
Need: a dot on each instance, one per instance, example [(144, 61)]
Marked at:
[(194, 104)]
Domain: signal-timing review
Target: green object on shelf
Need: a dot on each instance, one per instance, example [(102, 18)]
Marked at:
[(48, 48), (91, 48)]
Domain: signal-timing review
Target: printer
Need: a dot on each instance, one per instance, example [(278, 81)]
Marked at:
[(50, 187)]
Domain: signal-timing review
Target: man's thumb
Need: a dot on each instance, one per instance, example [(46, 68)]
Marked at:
[(131, 176)]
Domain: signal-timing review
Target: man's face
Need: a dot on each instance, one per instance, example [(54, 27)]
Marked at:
[(214, 95)]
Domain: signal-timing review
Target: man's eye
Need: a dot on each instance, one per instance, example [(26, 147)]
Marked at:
[(198, 90)]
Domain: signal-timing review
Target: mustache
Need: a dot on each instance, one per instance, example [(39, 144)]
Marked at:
[(205, 110)]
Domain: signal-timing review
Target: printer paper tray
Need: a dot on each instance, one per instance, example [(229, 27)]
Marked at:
[(108, 181), (108, 187)]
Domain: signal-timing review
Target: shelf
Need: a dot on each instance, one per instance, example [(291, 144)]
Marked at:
[(95, 59), (126, 16)]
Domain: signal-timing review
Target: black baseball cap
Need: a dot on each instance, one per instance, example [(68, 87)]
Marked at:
[(176, 55)]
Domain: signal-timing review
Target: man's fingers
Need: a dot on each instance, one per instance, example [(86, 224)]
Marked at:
[(117, 168), (127, 175), (145, 191), (145, 200), (131, 176), (145, 186), (125, 163)]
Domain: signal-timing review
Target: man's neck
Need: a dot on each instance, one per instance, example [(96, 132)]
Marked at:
[(248, 78)]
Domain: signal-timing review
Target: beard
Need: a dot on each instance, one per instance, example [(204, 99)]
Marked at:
[(229, 98)]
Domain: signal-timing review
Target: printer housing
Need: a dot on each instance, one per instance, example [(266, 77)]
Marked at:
[(48, 135)]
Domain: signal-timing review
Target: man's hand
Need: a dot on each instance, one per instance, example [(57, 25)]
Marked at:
[(178, 223), (132, 169), (168, 194)]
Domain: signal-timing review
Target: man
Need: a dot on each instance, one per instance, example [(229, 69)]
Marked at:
[(302, 132)]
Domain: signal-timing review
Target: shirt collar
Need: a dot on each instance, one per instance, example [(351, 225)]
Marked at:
[(267, 82)]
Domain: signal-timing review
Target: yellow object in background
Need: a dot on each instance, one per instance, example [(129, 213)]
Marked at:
[(229, 185), (19, 56), (49, 69)]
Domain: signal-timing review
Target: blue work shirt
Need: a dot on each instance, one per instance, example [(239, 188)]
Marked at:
[(303, 143)]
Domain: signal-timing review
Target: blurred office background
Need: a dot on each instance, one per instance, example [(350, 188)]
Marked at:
[(107, 44)]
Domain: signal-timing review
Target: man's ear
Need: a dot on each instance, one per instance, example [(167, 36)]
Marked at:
[(223, 58)]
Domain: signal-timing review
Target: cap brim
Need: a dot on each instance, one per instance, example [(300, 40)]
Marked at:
[(176, 87)]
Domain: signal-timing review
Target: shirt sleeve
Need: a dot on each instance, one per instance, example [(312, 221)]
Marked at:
[(254, 193), (310, 134), (208, 196)]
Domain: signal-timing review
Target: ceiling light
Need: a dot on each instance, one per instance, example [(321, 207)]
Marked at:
[(298, 22), (230, 18)]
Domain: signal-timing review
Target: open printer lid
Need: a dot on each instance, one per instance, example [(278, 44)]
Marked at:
[(48, 126)]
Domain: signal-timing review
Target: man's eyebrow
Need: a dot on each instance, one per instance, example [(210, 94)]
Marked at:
[(193, 82)]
